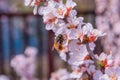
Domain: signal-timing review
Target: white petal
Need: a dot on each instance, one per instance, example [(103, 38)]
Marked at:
[(70, 3), (73, 13), (35, 10), (104, 77), (76, 75), (27, 2), (49, 26), (92, 46), (87, 28), (63, 56), (97, 75), (41, 10)]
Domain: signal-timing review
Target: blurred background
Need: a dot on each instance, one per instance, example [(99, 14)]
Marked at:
[(19, 28)]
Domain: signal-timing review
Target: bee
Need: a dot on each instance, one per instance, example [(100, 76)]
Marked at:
[(58, 42)]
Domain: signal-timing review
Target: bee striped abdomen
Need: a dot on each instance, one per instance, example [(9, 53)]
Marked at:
[(58, 43)]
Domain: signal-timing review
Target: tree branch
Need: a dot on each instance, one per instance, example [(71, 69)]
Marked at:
[(91, 52)]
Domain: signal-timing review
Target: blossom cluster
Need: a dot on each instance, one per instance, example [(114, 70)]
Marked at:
[(108, 20), (24, 64), (74, 41)]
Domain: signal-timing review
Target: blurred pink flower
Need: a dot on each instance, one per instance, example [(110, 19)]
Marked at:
[(3, 77), (25, 65)]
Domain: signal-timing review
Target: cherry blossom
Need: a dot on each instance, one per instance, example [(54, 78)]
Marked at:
[(61, 74), (24, 65), (110, 74), (113, 73), (74, 40), (33, 3), (76, 74), (105, 60)]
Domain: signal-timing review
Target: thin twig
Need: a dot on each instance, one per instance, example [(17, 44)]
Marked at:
[(91, 52), (92, 55), (90, 77), (94, 58)]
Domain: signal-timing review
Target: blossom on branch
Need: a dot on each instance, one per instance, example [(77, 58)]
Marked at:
[(74, 41)]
